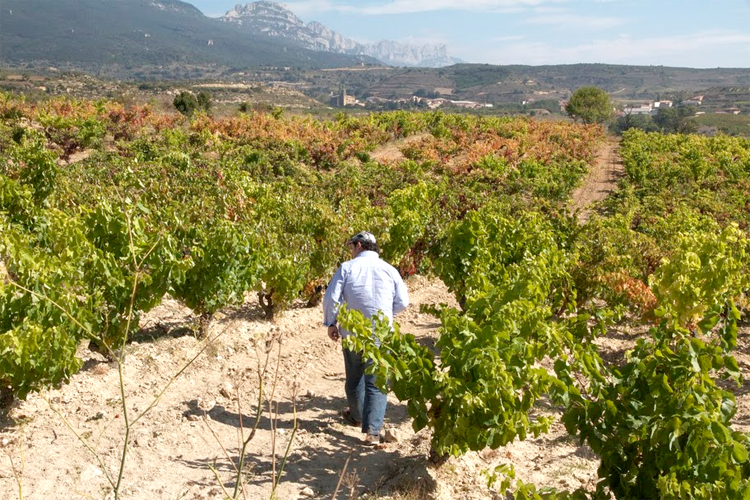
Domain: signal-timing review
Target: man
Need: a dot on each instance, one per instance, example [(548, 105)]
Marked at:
[(368, 284)]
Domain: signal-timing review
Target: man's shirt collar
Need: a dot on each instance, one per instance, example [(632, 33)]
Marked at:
[(367, 253)]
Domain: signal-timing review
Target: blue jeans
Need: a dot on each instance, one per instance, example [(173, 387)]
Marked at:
[(366, 402)]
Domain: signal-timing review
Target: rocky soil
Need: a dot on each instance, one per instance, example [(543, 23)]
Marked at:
[(63, 443), (186, 446)]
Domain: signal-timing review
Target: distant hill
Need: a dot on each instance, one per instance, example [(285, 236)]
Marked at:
[(171, 39), (274, 20), (124, 37), (518, 83)]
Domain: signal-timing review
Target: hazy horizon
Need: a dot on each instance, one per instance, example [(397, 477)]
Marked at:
[(536, 32)]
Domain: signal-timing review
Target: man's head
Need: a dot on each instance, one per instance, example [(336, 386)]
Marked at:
[(361, 242)]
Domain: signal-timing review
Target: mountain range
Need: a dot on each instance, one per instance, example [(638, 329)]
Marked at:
[(124, 37), (275, 20), (173, 39)]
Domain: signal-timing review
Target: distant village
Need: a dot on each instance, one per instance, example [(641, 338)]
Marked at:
[(342, 99), (653, 107)]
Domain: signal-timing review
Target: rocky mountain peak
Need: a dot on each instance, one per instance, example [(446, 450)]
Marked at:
[(175, 6), (263, 12), (273, 19)]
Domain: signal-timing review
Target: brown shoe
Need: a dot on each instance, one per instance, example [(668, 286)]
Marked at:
[(374, 441), (349, 420)]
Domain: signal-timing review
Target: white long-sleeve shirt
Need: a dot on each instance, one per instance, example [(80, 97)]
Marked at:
[(368, 284)]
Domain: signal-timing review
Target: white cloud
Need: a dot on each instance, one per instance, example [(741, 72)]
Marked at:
[(567, 21), (506, 38), (550, 9), (413, 6), (311, 7), (407, 6), (699, 50)]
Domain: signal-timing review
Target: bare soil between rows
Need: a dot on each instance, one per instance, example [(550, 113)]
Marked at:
[(187, 445), (601, 180), (196, 425)]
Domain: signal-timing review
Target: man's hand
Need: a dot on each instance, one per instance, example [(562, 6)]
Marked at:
[(333, 333)]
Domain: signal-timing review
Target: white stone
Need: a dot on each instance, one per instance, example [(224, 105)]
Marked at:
[(391, 436), (226, 390)]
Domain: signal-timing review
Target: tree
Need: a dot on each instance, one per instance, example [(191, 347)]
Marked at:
[(629, 120), (676, 120), (186, 103), (590, 105), (551, 105), (204, 100)]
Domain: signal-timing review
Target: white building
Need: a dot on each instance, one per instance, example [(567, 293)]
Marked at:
[(662, 104), (643, 109)]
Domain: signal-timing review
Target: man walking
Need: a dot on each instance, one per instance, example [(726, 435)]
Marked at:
[(368, 284)]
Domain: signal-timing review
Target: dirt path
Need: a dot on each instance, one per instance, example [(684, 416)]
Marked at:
[(601, 181), (391, 151), (174, 447), (197, 423)]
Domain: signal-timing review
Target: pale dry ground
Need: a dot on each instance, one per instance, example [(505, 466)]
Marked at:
[(173, 447), (391, 151), (601, 180)]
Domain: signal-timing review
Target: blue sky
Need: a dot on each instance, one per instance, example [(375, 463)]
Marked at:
[(690, 33)]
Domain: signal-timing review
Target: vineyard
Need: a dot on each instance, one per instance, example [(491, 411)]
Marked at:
[(108, 213)]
